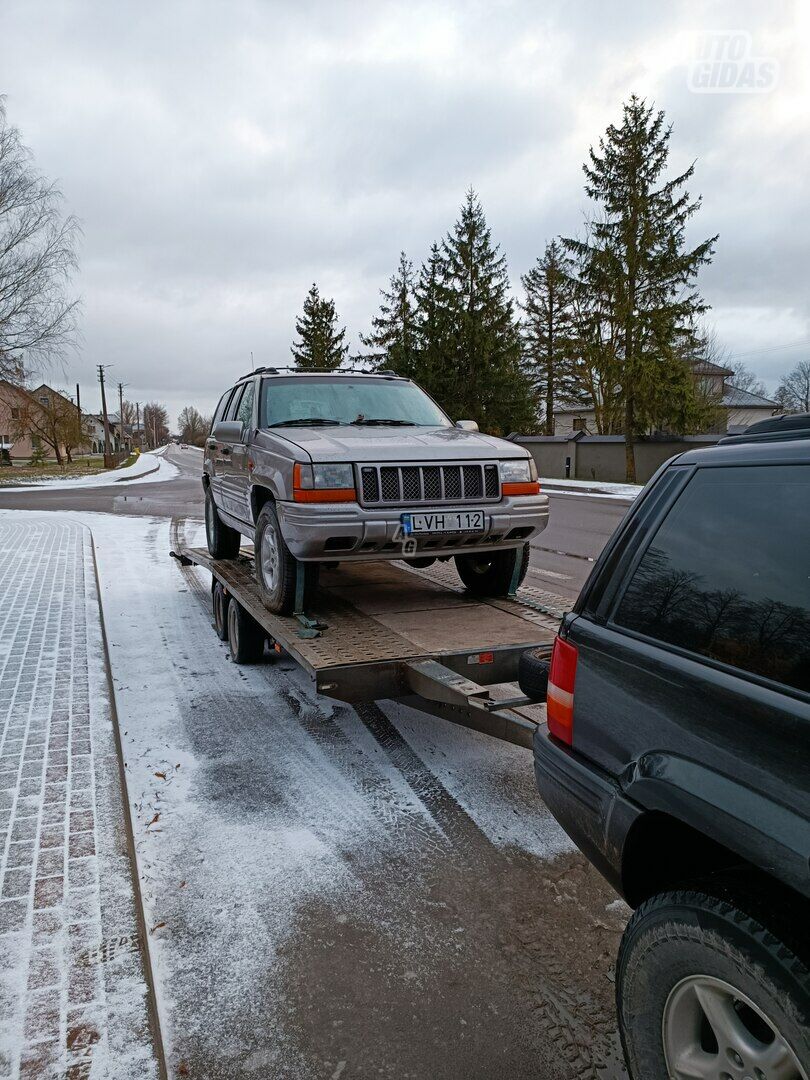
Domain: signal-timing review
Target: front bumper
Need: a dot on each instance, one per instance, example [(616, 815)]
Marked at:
[(587, 803), (349, 532)]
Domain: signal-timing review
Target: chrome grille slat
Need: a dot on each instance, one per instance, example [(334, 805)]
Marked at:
[(419, 484)]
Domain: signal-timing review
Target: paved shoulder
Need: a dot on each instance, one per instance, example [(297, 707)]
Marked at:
[(73, 995)]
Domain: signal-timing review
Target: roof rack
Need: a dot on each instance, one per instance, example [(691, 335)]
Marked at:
[(774, 429), (314, 371)]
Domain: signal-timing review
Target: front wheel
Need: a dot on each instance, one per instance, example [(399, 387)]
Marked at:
[(492, 573), (223, 541), (277, 568), (705, 989)]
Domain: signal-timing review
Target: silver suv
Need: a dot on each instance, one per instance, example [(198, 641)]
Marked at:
[(326, 467)]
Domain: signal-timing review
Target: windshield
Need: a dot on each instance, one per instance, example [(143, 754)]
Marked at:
[(344, 400)]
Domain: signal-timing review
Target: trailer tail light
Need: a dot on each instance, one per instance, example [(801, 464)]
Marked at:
[(560, 699)]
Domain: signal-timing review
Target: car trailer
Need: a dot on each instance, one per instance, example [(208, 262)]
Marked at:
[(386, 630)]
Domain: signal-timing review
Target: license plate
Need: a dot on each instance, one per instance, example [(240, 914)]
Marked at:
[(466, 521)]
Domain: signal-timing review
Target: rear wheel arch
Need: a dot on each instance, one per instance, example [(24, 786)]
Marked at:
[(661, 852)]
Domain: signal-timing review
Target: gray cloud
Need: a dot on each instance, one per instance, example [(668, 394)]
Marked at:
[(223, 157)]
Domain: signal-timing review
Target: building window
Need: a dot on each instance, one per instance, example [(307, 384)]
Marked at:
[(44, 399), (578, 423), (15, 414), (36, 442)]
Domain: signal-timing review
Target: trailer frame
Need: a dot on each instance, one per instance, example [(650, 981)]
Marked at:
[(357, 655)]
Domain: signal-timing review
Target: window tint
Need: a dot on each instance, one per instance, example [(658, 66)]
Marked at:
[(727, 575), (234, 403), (219, 412), (343, 400), (245, 412)]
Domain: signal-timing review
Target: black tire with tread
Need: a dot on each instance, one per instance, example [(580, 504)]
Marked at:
[(533, 669), (490, 573), (220, 601), (281, 599), (728, 936), (245, 637), (223, 541)]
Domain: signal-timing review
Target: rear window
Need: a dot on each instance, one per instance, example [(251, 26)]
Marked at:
[(727, 574)]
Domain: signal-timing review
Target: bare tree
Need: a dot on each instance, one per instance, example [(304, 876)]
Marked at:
[(49, 418), (794, 390), (155, 424), (193, 426), (37, 260)]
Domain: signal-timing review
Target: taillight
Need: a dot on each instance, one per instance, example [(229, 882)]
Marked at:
[(560, 697)]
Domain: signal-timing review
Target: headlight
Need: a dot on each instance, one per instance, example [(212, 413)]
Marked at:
[(516, 472), (323, 483), (327, 475)]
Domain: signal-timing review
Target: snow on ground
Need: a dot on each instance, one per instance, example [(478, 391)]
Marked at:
[(594, 488), (255, 803), (146, 469)]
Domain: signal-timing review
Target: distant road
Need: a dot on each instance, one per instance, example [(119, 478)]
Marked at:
[(561, 559)]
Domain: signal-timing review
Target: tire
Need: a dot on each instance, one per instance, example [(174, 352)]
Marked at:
[(220, 602), (533, 669), (245, 636), (688, 956), (490, 572), (223, 541), (276, 567)]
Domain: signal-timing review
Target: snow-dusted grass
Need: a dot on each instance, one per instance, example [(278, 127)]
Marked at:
[(146, 469)]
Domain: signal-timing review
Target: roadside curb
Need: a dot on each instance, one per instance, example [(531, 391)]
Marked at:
[(563, 490), (143, 930), (134, 479)]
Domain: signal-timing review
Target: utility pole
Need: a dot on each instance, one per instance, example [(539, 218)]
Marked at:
[(121, 413), (107, 452), (138, 424), (79, 415)]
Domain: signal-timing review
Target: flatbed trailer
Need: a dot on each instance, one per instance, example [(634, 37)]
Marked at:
[(385, 630)]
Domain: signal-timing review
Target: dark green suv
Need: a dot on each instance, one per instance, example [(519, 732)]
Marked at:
[(677, 756)]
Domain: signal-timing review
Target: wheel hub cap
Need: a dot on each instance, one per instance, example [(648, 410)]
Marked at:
[(269, 557), (712, 1030)]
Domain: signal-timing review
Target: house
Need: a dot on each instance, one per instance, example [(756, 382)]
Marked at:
[(39, 403), (738, 409)]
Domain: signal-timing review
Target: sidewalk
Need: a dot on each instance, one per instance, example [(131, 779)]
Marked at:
[(74, 1001)]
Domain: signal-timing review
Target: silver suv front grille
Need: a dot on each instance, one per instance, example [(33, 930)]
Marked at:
[(404, 484)]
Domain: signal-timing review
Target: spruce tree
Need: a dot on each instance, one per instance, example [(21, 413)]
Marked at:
[(431, 326), (321, 346), (635, 252), (394, 337), (548, 332), (477, 347)]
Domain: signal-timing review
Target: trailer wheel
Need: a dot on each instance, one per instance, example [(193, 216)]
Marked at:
[(276, 567), (245, 636), (223, 541), (490, 573), (220, 602)]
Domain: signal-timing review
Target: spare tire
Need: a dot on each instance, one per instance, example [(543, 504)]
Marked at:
[(533, 668)]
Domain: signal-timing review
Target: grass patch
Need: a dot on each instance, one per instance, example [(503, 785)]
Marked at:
[(17, 474)]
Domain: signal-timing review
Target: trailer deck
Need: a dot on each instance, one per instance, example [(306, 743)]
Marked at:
[(388, 630)]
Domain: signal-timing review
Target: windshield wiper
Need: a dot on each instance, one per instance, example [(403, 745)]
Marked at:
[(383, 420), (302, 421)]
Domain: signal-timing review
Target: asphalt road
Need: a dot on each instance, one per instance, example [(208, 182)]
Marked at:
[(562, 556)]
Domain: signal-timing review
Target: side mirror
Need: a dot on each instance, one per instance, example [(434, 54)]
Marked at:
[(228, 431), (467, 425)]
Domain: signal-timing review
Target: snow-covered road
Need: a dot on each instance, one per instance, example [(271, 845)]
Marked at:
[(334, 891)]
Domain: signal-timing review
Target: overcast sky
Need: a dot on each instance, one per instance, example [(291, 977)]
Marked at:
[(223, 156)]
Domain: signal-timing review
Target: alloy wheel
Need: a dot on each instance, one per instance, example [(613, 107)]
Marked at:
[(269, 557), (712, 1030)]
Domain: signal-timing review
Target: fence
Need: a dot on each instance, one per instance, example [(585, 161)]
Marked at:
[(602, 457)]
